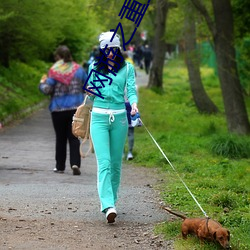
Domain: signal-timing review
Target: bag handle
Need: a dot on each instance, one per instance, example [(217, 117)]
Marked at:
[(84, 155), (85, 99), (91, 148)]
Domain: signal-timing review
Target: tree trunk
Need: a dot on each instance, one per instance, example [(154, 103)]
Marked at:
[(159, 47), (235, 109), (201, 99), (223, 38)]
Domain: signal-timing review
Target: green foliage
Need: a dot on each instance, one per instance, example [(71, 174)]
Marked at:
[(170, 230), (231, 146), (219, 183), (241, 17), (243, 60), (19, 87), (111, 9), (176, 18), (224, 200), (174, 25), (27, 33), (210, 129)]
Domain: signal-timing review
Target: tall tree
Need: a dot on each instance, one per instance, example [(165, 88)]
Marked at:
[(159, 44), (223, 38), (201, 99)]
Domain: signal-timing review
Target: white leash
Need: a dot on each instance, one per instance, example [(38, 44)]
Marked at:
[(174, 170)]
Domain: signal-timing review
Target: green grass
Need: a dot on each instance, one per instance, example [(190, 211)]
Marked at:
[(19, 87), (214, 164)]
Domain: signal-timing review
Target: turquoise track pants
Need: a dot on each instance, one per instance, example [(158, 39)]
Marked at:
[(108, 136)]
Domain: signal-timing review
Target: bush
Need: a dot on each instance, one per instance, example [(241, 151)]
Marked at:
[(19, 87), (223, 200), (231, 146)]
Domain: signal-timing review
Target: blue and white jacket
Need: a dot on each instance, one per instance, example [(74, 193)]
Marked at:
[(65, 97)]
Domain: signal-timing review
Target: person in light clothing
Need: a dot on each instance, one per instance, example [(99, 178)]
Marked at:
[(109, 125)]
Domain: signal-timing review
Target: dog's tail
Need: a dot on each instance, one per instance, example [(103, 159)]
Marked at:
[(175, 213)]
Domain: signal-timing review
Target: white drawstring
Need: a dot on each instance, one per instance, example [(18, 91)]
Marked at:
[(111, 117)]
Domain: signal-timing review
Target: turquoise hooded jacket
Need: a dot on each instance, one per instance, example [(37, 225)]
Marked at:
[(113, 94)]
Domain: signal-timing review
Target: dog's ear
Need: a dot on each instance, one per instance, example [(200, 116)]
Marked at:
[(214, 235), (228, 237)]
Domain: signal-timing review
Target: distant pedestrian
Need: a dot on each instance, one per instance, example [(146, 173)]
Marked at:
[(128, 109), (64, 85), (130, 133), (147, 54), (93, 54), (138, 56)]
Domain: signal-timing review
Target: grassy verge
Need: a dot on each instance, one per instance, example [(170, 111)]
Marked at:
[(19, 88), (213, 164)]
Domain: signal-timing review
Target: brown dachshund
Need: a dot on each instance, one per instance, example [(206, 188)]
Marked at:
[(204, 228)]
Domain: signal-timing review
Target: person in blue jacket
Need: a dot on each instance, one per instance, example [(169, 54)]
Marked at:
[(109, 124), (64, 84)]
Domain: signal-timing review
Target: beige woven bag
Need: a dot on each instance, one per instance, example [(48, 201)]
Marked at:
[(81, 126)]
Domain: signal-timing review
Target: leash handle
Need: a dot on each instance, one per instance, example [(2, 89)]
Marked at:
[(174, 169)]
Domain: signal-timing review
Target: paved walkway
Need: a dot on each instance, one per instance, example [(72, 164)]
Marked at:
[(30, 190), (26, 163), (141, 78)]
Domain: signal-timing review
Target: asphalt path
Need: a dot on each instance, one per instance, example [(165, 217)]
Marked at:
[(31, 190)]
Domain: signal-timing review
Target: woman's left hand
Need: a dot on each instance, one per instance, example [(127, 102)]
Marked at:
[(134, 109), (89, 93)]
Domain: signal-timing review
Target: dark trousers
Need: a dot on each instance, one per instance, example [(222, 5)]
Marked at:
[(130, 129), (130, 139), (147, 65), (62, 122)]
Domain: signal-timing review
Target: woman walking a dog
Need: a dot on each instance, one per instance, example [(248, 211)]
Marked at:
[(109, 123)]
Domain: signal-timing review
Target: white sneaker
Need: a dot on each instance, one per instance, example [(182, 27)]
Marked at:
[(130, 156), (58, 171), (111, 214)]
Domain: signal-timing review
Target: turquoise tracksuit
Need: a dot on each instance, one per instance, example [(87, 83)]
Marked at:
[(108, 131)]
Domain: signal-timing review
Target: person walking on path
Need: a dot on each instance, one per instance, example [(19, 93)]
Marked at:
[(109, 125), (64, 84), (131, 129), (147, 54)]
